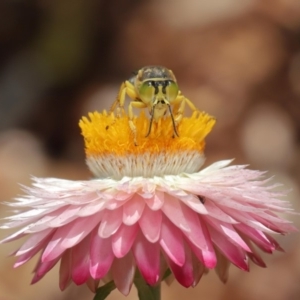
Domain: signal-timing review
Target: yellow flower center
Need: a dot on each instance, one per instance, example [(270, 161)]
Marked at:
[(106, 134), (109, 140)]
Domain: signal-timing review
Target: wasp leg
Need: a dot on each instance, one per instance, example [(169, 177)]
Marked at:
[(132, 104), (179, 106), (125, 88)]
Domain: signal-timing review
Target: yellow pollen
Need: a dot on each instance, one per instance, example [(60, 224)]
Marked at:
[(106, 134)]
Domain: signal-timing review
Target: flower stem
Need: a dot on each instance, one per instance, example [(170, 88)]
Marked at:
[(147, 292), (156, 291)]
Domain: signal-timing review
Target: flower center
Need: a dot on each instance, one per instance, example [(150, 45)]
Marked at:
[(111, 151)]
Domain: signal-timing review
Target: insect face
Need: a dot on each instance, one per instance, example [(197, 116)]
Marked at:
[(155, 88), (154, 92)]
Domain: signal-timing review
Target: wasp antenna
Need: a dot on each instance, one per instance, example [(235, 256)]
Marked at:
[(173, 121), (151, 121)]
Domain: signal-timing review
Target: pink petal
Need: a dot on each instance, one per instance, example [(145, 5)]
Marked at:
[(150, 224), (147, 257), (20, 233), (54, 247), (247, 219), (81, 261), (228, 231), (222, 268), (26, 256), (122, 196), (172, 242), (274, 223), (198, 270), (195, 204), (111, 221), (235, 254), (199, 236), (92, 284), (68, 215), (17, 220), (69, 235), (255, 257), (65, 274), (91, 208), (172, 209), (257, 237), (209, 261), (44, 222), (43, 268), (274, 242), (81, 228), (123, 270), (215, 212), (101, 256), (133, 209), (34, 240), (157, 201), (184, 274), (123, 239)]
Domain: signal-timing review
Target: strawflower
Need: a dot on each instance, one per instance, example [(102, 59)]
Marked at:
[(150, 213)]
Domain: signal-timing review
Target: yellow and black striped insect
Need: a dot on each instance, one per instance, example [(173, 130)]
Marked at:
[(155, 88)]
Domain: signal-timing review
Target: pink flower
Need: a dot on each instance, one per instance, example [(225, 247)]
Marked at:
[(157, 211)]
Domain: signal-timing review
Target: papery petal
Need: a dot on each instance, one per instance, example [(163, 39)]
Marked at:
[(111, 221), (215, 212), (254, 256), (150, 224), (258, 237), (104, 229), (184, 274), (172, 242), (195, 204), (198, 270), (236, 255), (81, 261), (199, 236), (156, 202), (222, 268), (81, 228), (147, 257), (228, 231), (123, 270), (43, 268), (101, 256), (54, 248), (69, 214), (172, 210), (92, 284), (91, 208), (123, 239), (247, 219), (33, 241), (133, 209), (65, 270)]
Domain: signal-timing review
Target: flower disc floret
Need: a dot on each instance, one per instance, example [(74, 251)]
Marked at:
[(111, 151)]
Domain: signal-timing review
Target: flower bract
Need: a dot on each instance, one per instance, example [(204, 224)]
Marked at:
[(149, 208)]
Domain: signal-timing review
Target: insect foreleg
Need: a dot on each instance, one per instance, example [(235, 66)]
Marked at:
[(132, 104), (126, 88), (179, 107)]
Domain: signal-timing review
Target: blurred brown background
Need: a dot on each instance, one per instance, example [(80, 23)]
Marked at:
[(237, 60)]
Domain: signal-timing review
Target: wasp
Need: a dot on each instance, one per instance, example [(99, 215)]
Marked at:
[(155, 88)]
